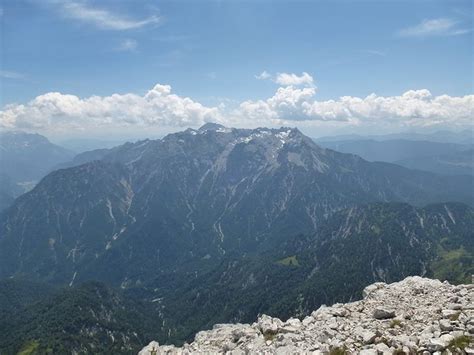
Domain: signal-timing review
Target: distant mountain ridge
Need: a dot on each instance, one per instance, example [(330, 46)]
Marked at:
[(461, 137), (394, 150), (28, 157), (24, 159), (440, 158), (81, 145), (8, 191), (448, 163), (84, 157)]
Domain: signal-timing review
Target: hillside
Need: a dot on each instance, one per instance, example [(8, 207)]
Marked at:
[(355, 247), (90, 318)]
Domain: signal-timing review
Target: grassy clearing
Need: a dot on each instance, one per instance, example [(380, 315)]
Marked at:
[(289, 261), (29, 348), (455, 265)]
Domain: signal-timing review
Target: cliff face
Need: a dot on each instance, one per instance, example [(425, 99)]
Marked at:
[(416, 315)]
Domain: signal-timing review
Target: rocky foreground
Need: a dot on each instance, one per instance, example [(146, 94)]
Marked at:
[(416, 315)]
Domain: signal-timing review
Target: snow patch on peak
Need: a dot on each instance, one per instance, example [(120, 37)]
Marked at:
[(284, 134), (210, 126)]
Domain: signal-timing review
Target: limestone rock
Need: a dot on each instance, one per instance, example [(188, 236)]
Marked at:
[(269, 325), (445, 325), (369, 337), (413, 316), (383, 313), (147, 350), (371, 288)]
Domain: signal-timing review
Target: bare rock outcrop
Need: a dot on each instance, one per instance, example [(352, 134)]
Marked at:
[(413, 316)]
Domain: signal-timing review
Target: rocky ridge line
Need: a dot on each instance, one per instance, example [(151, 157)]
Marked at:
[(413, 316)]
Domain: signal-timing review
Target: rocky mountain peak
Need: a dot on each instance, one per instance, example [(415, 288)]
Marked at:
[(224, 141), (413, 316)]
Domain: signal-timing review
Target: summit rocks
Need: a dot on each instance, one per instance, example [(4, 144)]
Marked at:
[(410, 316)]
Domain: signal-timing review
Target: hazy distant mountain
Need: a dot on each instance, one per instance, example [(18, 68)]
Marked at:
[(28, 157), (8, 191), (195, 197), (24, 159), (454, 163), (394, 150), (462, 137), (83, 158), (80, 145), (440, 158)]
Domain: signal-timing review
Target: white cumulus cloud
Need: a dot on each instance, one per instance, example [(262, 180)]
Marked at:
[(57, 111), (287, 79), (412, 108), (289, 105)]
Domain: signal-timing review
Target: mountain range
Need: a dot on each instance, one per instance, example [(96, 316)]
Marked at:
[(195, 195), (216, 225)]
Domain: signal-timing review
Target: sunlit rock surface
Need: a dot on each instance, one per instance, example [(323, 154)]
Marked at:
[(416, 315)]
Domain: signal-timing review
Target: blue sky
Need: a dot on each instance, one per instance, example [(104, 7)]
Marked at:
[(212, 51)]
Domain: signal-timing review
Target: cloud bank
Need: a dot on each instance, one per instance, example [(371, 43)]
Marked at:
[(412, 108), (293, 103), (56, 111)]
